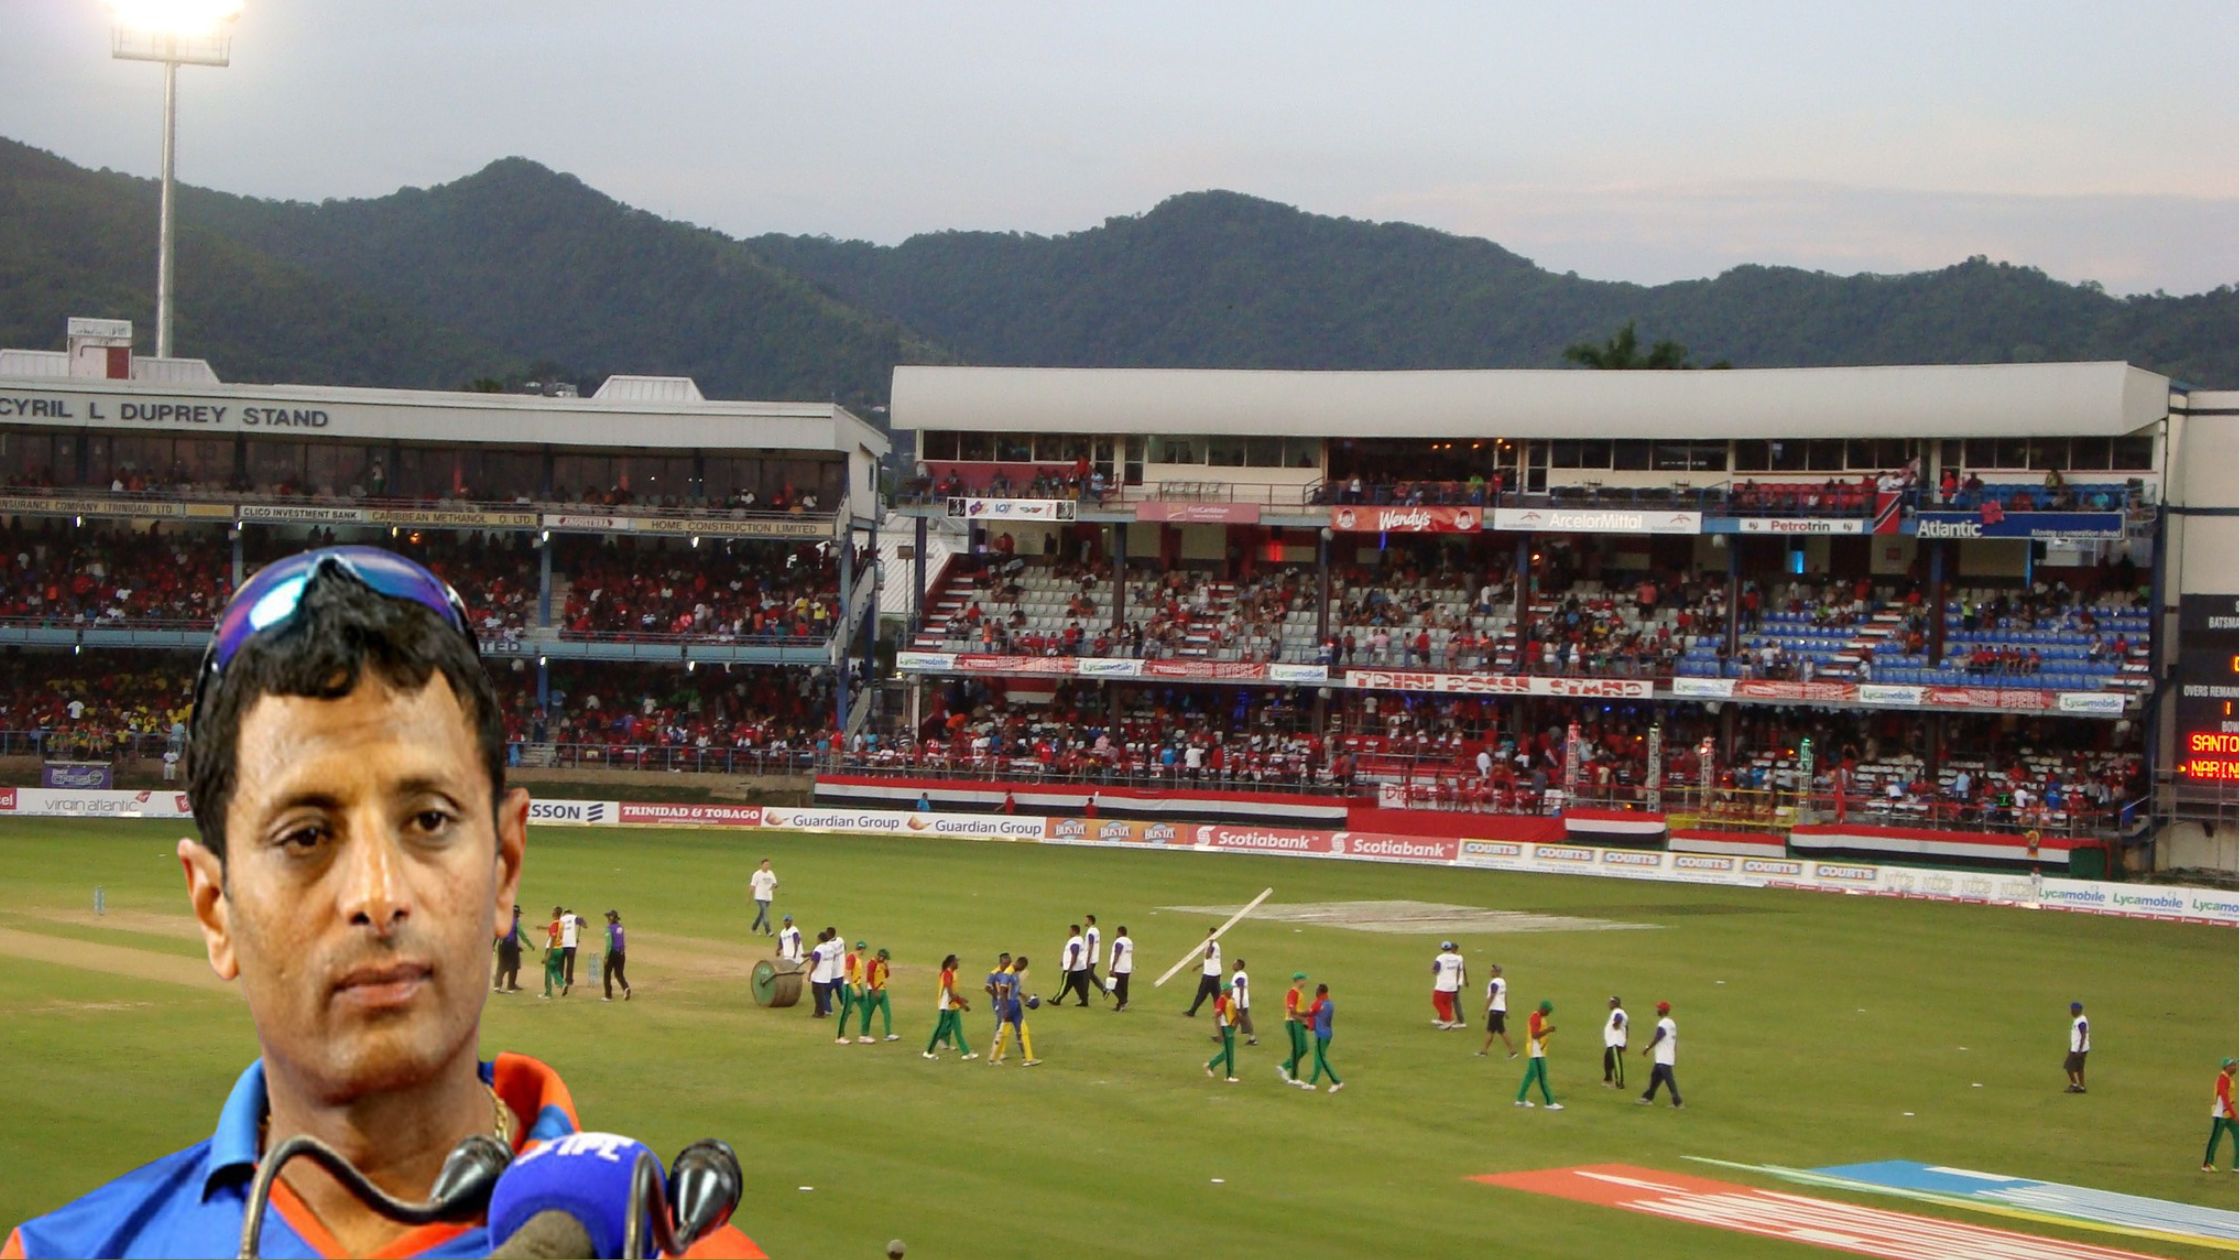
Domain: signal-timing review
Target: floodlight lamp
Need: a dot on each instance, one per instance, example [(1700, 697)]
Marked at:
[(186, 19), (176, 32)]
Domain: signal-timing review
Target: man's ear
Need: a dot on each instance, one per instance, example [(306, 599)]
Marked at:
[(513, 843), (206, 897)]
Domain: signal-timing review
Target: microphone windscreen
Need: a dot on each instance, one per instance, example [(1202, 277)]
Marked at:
[(553, 1235), (468, 1175), (585, 1175), (704, 1188)]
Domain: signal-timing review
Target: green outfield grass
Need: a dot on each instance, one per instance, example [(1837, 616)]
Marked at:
[(1816, 1030)]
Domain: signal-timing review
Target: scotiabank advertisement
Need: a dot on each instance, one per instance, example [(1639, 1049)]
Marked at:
[(1228, 839), (1394, 848)]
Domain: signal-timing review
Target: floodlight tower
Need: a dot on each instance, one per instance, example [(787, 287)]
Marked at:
[(176, 33)]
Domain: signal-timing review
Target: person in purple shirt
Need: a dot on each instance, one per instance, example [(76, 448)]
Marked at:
[(612, 972)]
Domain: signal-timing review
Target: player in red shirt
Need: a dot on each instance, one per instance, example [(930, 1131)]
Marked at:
[(2221, 1120)]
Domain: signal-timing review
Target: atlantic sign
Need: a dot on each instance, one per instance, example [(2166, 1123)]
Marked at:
[(2019, 525)]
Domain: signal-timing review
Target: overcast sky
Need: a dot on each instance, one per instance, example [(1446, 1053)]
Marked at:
[(1648, 142)]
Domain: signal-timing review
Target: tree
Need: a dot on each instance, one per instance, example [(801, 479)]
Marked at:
[(1622, 353)]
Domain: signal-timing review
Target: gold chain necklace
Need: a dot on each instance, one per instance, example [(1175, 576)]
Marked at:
[(501, 1122)]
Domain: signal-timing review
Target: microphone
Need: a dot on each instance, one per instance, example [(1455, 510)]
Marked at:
[(603, 1195), (465, 1182), (704, 1186), (573, 1196)]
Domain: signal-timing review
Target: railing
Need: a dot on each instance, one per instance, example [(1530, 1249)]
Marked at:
[(77, 744), (1743, 497), (150, 747), (2215, 805), (1265, 494), (1687, 806), (200, 625), (820, 643), (682, 759), (522, 641), (371, 503), (898, 764)]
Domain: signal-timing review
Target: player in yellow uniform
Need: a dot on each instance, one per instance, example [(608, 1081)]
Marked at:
[(874, 996), (851, 989), (1537, 1030), (1225, 1020)]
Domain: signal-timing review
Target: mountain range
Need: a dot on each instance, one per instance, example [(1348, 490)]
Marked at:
[(520, 270)]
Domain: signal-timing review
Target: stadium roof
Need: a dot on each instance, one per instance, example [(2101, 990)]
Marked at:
[(48, 400), (1984, 400), (649, 389)]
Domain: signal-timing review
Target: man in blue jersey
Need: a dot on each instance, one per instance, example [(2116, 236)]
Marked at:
[(998, 987), (358, 850)]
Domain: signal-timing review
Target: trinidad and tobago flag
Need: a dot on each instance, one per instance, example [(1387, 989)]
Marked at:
[(1886, 511)]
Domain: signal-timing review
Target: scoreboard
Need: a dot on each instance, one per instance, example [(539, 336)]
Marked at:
[(2208, 688), (2210, 756)]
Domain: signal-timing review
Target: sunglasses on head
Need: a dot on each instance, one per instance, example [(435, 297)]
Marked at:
[(274, 595)]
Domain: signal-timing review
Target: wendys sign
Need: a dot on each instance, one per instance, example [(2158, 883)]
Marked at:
[(1354, 519)]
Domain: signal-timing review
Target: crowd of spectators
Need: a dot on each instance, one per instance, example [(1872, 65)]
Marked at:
[(95, 707), (730, 592), (1417, 749), (2033, 773), (1641, 632), (1206, 737), (623, 714), (168, 576), (1476, 490), (1078, 480), (1448, 752), (1440, 611), (494, 573), (135, 705), (54, 573)]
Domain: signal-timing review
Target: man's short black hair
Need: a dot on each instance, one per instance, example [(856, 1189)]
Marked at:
[(341, 630)]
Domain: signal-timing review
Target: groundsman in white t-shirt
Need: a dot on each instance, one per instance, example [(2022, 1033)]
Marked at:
[(1446, 987), (1614, 1046), (764, 881), (1665, 1046), (1497, 1013), (1123, 967)]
